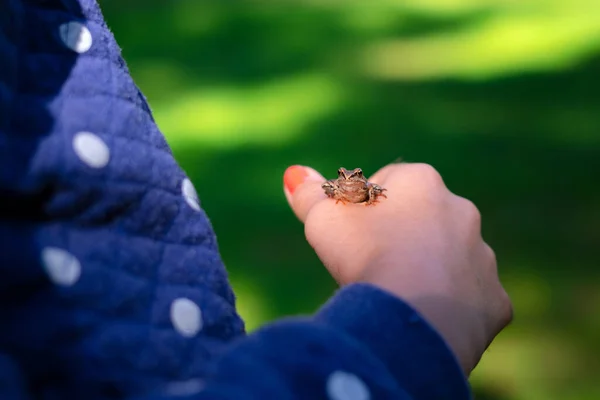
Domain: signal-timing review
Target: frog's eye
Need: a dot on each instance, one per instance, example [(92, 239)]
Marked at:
[(341, 172), (358, 172)]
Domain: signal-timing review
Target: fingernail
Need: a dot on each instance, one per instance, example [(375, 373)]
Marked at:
[(294, 176)]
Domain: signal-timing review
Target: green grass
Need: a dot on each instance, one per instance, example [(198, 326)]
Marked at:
[(502, 97)]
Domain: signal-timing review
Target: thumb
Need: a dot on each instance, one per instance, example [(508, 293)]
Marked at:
[(302, 188)]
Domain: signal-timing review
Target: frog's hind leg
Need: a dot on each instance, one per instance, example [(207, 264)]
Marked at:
[(371, 200), (334, 193)]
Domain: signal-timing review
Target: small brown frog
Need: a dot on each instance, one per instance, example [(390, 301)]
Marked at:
[(353, 187)]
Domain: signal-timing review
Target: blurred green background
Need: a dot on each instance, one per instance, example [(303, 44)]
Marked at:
[(501, 96)]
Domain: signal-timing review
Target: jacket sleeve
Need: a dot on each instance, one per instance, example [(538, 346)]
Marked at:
[(111, 283), (363, 344)]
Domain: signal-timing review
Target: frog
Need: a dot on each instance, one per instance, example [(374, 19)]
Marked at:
[(352, 186)]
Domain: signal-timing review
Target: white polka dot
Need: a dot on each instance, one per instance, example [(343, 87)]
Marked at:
[(61, 266), (345, 386), (189, 194), (184, 388), (91, 149), (75, 36), (186, 317)]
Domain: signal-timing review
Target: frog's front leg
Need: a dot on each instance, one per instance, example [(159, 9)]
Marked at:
[(332, 191), (374, 192), (330, 188)]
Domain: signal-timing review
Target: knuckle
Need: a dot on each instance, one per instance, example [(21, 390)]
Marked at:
[(472, 211), (391, 169), (507, 308), (429, 174), (491, 255)]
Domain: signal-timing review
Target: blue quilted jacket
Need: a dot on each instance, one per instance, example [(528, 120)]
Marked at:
[(111, 284)]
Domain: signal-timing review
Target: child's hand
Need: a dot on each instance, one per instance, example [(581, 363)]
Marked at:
[(422, 244)]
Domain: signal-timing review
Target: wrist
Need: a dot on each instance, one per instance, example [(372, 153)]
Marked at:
[(394, 331), (455, 322)]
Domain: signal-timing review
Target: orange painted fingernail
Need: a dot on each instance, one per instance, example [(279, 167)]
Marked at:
[(294, 176)]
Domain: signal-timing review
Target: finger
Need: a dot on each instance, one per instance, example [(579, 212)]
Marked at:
[(302, 188), (411, 175), (382, 174)]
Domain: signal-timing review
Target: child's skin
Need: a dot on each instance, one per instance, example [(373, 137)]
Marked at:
[(423, 244)]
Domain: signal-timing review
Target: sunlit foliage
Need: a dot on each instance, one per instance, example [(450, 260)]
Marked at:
[(501, 96)]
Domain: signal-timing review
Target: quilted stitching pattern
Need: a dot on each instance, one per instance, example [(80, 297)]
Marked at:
[(113, 237), (111, 285)]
